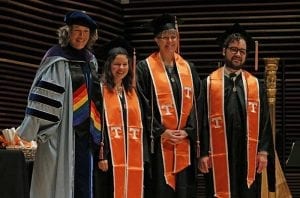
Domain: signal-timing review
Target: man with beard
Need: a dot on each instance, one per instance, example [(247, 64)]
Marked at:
[(236, 140)]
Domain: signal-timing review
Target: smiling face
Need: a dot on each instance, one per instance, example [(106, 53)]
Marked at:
[(235, 54), (79, 36), (119, 68), (167, 41)]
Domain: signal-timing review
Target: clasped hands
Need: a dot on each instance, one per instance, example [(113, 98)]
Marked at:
[(204, 163), (174, 136)]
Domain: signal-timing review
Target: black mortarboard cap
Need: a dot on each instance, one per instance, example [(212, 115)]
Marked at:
[(236, 28), (78, 17), (161, 23), (111, 47)]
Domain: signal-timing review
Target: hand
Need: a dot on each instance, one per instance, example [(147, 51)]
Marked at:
[(262, 161), (103, 165), (174, 136), (204, 164)]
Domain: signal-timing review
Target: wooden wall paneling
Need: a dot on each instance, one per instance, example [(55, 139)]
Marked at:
[(204, 22), (275, 24), (15, 82), (28, 29)]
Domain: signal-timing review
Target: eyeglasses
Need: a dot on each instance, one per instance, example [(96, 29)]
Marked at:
[(235, 50), (166, 38)]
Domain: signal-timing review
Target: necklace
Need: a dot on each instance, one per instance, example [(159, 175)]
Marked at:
[(119, 90), (170, 71)]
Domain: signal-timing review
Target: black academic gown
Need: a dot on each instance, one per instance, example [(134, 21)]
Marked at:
[(185, 180), (235, 118)]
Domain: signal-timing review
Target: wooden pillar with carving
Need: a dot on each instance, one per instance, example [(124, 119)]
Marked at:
[(271, 66), (281, 188)]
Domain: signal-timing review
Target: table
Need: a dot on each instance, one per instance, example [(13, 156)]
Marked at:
[(15, 174)]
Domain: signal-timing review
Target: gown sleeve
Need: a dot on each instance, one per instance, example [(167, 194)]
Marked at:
[(204, 132), (193, 123), (44, 103), (265, 135), (266, 138)]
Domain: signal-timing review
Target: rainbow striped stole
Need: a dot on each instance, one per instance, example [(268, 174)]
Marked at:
[(80, 105), (82, 111)]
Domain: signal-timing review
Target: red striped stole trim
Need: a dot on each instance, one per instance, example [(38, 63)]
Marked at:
[(95, 116), (80, 97)]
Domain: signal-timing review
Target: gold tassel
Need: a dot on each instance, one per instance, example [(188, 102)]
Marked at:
[(134, 68), (256, 55), (101, 152), (178, 36)]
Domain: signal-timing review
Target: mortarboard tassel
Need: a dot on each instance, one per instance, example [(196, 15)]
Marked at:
[(197, 128), (198, 149), (151, 125), (178, 37), (152, 144), (134, 68), (256, 55), (101, 152)]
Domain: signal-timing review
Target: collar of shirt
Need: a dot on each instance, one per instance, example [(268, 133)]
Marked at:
[(227, 72)]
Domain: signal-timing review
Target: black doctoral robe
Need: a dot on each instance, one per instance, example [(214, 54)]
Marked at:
[(235, 119), (185, 180)]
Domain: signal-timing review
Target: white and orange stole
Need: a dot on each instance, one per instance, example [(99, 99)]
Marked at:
[(218, 141), (126, 145), (175, 157)]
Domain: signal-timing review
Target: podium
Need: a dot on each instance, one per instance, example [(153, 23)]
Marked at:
[(294, 157)]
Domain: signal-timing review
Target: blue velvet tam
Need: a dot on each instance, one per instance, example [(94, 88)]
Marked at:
[(80, 18)]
